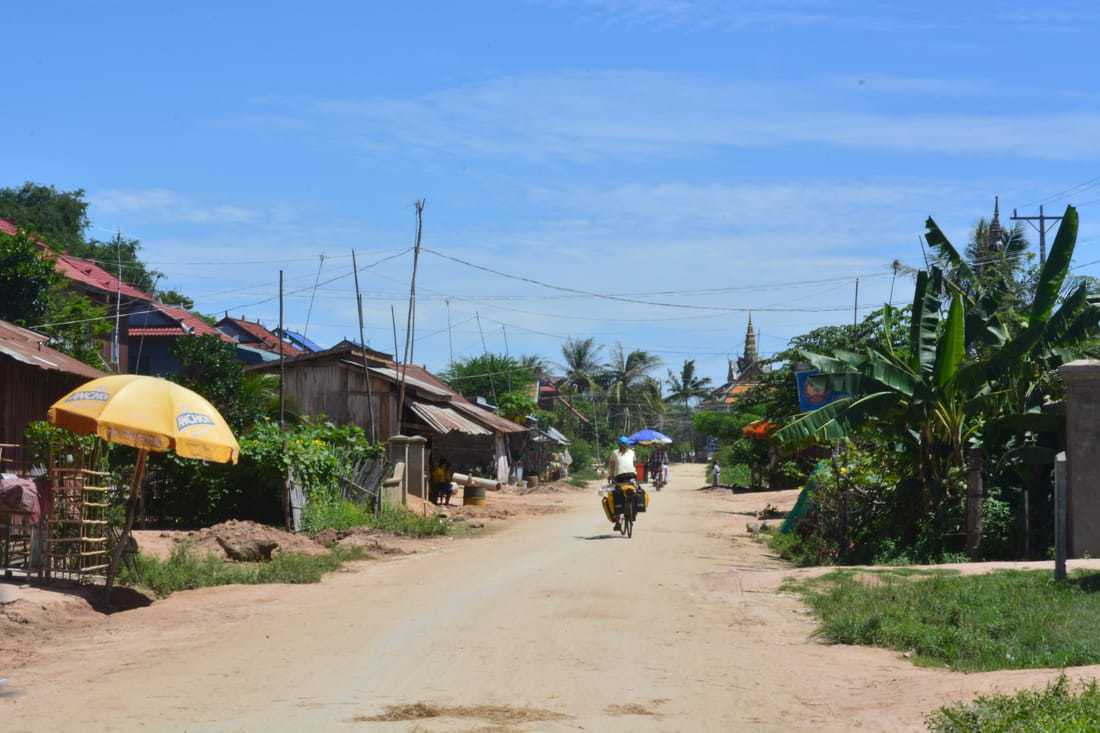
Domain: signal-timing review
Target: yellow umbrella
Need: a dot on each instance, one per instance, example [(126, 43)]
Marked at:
[(150, 414)]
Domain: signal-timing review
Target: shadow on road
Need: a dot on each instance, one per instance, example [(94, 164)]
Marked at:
[(600, 537)]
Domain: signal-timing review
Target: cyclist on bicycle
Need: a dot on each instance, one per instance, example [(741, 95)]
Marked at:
[(620, 469)]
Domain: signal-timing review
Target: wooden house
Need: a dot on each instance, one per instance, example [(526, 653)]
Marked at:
[(32, 377), (335, 383)]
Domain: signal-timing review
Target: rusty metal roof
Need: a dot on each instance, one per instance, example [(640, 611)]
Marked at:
[(30, 348), (445, 420)]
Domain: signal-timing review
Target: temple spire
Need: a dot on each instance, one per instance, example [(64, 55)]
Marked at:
[(750, 342), (994, 237)]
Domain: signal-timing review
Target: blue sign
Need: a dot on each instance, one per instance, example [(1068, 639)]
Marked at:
[(814, 390)]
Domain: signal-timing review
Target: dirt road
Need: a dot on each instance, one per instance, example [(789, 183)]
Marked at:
[(551, 624)]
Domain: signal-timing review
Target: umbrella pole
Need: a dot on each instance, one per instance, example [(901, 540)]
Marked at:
[(131, 511)]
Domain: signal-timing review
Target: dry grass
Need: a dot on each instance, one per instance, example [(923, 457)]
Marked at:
[(630, 709), (490, 713)]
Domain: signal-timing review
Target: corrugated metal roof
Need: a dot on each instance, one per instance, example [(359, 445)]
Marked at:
[(265, 338), (485, 417), (30, 348), (414, 379), (445, 420)]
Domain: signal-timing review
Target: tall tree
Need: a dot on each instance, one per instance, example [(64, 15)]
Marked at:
[(27, 276), (687, 386), (488, 375), (582, 364), (58, 217), (625, 375)]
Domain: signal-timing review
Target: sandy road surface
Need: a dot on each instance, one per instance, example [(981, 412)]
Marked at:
[(551, 624)]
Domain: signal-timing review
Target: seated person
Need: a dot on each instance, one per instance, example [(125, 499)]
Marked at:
[(442, 486)]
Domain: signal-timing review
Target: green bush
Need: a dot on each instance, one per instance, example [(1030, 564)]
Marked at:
[(340, 514), (1056, 708), (185, 569), (584, 453), (184, 492), (1004, 620)]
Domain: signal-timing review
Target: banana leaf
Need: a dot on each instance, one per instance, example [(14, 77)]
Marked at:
[(939, 243), (952, 345), (1055, 268), (890, 375), (925, 319)]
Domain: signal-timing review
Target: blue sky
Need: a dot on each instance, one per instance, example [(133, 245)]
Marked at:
[(766, 152)]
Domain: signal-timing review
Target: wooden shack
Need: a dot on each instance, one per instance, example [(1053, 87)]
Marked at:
[(32, 377), (337, 384)]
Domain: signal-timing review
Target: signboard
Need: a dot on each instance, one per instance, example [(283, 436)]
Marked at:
[(814, 391)]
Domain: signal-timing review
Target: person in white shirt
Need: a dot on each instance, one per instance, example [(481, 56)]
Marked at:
[(621, 465), (621, 468)]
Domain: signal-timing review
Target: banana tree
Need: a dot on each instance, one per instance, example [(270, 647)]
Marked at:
[(959, 375)]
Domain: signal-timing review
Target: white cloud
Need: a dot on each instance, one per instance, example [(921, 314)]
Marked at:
[(162, 204), (631, 114), (737, 15)]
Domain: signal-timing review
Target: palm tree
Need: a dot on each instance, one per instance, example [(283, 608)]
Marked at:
[(625, 375), (686, 385), (582, 364)]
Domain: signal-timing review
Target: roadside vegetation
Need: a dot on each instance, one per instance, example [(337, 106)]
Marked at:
[(973, 623), (341, 514), (915, 401), (185, 569), (1061, 706)]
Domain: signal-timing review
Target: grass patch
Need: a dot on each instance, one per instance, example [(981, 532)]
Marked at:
[(1003, 620), (343, 514), (1057, 708), (185, 570)]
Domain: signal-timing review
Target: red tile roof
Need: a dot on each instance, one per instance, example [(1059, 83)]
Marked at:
[(265, 338), (192, 322), (88, 273), (156, 331)]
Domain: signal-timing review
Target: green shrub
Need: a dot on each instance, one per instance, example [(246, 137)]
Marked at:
[(1056, 708), (1004, 620), (183, 492), (340, 514), (186, 569)]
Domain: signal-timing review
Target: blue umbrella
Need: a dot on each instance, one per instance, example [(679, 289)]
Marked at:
[(647, 436)]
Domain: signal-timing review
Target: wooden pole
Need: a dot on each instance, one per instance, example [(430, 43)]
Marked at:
[(131, 511), (363, 351), (282, 358), (410, 322)]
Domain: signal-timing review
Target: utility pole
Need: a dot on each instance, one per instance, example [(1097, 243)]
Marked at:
[(450, 336), (508, 355), (316, 281), (1042, 228), (362, 347), (282, 358), (492, 382), (118, 305), (410, 322), (855, 307)]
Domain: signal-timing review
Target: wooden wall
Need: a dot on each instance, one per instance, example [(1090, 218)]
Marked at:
[(26, 393)]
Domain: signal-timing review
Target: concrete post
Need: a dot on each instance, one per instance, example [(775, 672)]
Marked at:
[(399, 454), (1082, 380), (417, 479)]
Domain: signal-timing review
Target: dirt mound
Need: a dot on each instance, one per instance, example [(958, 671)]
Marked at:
[(234, 533), (373, 540)]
